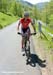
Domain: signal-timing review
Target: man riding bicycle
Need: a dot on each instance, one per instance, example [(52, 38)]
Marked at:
[(25, 22)]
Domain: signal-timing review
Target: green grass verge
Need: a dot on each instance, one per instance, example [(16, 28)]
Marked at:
[(6, 20), (48, 29), (48, 44)]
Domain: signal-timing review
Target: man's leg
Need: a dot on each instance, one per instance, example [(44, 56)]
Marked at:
[(28, 31), (22, 42), (22, 37)]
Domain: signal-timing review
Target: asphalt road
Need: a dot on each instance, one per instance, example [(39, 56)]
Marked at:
[(11, 60)]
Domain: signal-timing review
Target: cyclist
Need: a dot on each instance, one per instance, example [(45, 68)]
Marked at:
[(25, 22)]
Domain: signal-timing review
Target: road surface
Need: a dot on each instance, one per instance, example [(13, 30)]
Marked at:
[(11, 60)]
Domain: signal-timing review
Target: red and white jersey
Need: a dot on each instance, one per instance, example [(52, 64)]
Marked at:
[(25, 23)]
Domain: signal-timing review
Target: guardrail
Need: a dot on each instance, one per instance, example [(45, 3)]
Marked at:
[(44, 26)]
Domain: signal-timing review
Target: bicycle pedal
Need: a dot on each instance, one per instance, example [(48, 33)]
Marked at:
[(27, 63), (29, 60), (23, 54)]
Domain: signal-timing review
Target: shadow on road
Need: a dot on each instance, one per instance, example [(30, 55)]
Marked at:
[(35, 59)]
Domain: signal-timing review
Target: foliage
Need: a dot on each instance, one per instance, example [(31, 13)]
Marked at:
[(35, 12), (46, 15), (6, 20), (16, 8)]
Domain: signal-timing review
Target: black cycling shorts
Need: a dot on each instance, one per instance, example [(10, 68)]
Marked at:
[(25, 30)]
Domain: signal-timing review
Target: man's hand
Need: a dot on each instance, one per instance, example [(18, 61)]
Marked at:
[(34, 33), (18, 28), (34, 29)]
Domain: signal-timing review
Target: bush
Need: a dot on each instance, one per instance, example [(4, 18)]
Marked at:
[(3, 19), (10, 14), (1, 26)]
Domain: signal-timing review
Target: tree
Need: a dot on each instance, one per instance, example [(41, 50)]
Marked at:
[(0, 5), (35, 12), (51, 15), (20, 9), (51, 7), (4, 5), (16, 8)]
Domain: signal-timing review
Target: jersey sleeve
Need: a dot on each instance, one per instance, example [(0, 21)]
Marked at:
[(30, 20)]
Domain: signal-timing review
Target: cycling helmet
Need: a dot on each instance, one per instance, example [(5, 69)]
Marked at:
[(26, 14)]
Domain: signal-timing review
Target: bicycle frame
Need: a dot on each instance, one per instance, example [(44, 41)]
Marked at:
[(26, 45)]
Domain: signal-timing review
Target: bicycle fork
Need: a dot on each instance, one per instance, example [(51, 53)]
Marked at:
[(27, 49)]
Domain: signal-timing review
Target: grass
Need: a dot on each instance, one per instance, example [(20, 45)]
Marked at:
[(45, 31), (6, 20), (48, 29), (49, 26), (48, 44), (50, 38)]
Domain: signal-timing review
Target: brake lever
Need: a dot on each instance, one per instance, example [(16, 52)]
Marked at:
[(18, 33), (35, 33)]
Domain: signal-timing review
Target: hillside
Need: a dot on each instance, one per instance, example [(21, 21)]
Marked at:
[(25, 3), (6, 19), (41, 5)]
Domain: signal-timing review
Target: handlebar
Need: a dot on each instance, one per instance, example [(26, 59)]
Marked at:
[(22, 34)]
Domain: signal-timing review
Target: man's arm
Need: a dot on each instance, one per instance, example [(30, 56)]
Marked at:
[(18, 25), (34, 28), (32, 23)]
